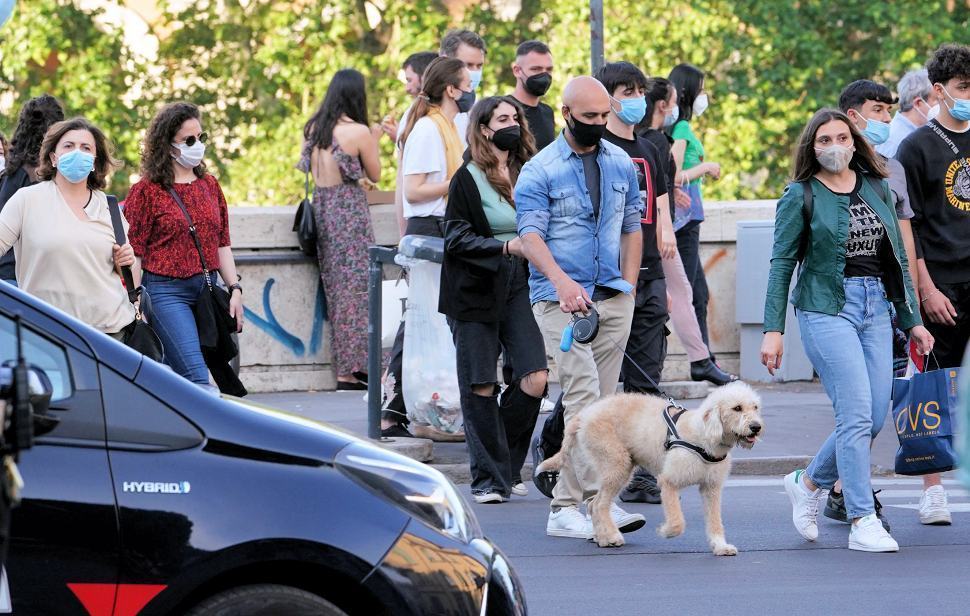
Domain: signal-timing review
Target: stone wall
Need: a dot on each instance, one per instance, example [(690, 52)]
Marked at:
[(285, 344)]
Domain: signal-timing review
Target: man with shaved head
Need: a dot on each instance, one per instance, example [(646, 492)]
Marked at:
[(578, 209)]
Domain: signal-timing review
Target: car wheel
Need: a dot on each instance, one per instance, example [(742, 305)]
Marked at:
[(266, 600)]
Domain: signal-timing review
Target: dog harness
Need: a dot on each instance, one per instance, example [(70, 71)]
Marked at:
[(674, 440)]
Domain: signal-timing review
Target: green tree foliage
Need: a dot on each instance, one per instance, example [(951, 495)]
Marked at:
[(259, 68)]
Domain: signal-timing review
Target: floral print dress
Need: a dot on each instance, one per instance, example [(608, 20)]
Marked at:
[(344, 232)]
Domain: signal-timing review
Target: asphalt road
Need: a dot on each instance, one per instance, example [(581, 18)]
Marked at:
[(776, 572)]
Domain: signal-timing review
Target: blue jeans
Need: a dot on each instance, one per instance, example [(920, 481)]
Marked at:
[(173, 320), (853, 354)]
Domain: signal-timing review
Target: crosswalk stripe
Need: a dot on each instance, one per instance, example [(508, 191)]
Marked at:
[(877, 482), (953, 507)]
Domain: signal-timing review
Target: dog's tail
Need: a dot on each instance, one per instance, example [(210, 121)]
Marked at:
[(556, 462)]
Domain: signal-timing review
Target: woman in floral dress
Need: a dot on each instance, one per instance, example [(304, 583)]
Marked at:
[(340, 148)]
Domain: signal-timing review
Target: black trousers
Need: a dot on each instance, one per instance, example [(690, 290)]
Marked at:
[(951, 340), (394, 408), (647, 344), (688, 245), (498, 431)]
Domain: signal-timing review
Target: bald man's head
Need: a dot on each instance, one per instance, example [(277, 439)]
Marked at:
[(586, 101)]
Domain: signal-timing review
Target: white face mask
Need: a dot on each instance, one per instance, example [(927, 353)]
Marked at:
[(931, 114), (700, 104), (3, 162), (190, 156), (835, 158)]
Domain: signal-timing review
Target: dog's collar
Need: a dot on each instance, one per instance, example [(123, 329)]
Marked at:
[(674, 440)]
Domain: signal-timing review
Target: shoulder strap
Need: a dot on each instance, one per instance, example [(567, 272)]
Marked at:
[(192, 232), (808, 210), (121, 240), (886, 190)]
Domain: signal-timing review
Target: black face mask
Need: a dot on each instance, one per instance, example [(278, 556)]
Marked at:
[(537, 85), (466, 101), (508, 138), (586, 135)]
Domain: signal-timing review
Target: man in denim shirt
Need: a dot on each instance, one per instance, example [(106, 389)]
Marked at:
[(578, 208)]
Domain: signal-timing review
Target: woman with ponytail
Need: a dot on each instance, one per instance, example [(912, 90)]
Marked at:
[(485, 294)]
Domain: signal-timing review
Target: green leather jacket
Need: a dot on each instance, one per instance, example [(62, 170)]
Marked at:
[(820, 277)]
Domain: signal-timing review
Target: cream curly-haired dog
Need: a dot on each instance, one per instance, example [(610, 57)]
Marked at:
[(618, 431)]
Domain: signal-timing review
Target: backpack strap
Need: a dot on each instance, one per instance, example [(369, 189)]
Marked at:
[(886, 190), (808, 210)]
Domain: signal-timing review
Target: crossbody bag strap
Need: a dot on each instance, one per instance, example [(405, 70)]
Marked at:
[(193, 233), (121, 240)]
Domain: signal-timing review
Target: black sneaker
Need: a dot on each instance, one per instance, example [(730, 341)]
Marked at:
[(642, 488), (835, 508), (397, 430)]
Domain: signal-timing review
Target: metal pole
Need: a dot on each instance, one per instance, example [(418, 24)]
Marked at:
[(596, 35), (375, 274)]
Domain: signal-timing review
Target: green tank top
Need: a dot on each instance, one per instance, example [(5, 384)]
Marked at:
[(499, 213)]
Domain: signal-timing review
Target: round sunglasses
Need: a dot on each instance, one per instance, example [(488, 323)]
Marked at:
[(191, 139)]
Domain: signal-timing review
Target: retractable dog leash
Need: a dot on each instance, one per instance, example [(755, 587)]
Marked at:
[(584, 328)]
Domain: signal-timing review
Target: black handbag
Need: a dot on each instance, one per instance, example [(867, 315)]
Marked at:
[(138, 335), (216, 326), (305, 225)]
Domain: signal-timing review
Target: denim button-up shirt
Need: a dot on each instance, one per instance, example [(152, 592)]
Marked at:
[(551, 200)]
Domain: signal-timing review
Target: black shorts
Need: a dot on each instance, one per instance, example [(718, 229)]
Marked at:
[(478, 345)]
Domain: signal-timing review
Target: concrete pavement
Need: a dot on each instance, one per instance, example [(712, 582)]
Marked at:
[(798, 417)]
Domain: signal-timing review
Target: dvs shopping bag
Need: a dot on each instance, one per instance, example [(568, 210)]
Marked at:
[(923, 411)]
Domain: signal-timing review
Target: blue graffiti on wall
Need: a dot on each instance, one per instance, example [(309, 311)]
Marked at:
[(277, 332)]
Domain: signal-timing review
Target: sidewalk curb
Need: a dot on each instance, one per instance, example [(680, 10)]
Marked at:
[(747, 467)]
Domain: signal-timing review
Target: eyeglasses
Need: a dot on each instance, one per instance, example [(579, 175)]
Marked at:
[(191, 139)]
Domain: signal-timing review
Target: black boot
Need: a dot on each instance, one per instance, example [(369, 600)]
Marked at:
[(519, 413), (707, 370)]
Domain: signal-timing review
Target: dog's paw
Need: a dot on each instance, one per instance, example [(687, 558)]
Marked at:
[(725, 549), (614, 540), (670, 530)]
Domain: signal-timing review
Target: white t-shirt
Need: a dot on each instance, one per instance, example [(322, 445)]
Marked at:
[(461, 122), (424, 152), (65, 261)]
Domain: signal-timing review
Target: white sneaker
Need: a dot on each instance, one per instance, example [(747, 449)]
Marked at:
[(868, 535), (488, 497), (804, 505), (625, 522), (569, 522), (933, 507), (519, 489)]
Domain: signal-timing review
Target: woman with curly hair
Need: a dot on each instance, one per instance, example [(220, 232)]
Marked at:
[(21, 158), (172, 170), (60, 229)]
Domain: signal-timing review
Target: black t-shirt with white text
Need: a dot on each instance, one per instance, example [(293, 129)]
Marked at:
[(866, 232), (939, 192), (652, 184)]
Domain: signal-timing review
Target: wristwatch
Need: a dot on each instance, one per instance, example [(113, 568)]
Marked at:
[(235, 286)]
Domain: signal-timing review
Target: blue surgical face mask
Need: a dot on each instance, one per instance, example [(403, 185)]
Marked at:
[(876, 132), (961, 107), (75, 166), (632, 110), (671, 118), (476, 78)]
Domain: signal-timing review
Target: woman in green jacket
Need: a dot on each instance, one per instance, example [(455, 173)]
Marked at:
[(853, 269)]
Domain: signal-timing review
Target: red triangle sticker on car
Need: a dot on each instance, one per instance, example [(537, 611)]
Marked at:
[(133, 597), (97, 599), (115, 599)]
